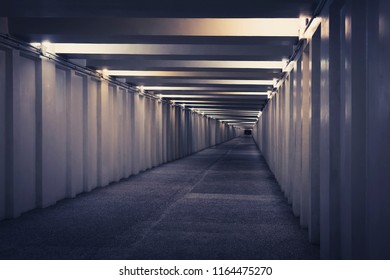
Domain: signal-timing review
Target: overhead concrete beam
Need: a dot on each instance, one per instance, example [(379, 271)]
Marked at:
[(163, 64), (274, 27), (205, 64), (168, 49)]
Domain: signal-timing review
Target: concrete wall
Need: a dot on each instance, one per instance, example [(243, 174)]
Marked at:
[(63, 132), (325, 134)]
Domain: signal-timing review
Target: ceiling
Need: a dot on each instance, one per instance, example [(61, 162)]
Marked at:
[(217, 57)]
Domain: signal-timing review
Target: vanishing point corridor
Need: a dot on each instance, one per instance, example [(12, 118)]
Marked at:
[(195, 130)]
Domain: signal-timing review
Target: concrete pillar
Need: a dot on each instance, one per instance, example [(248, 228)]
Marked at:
[(177, 132), (85, 110), (75, 131), (148, 127), (297, 119), (170, 131), (161, 130), (353, 125), (305, 134), (278, 166), (51, 134), (291, 142), (314, 152), (286, 138), (330, 132), (113, 135), (132, 134), (165, 130), (121, 133), (136, 135), (142, 133), (92, 132), (127, 133), (378, 130), (103, 135), (158, 140), (183, 132), (21, 144), (4, 81), (154, 132)]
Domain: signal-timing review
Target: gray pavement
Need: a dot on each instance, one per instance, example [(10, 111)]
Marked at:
[(220, 203)]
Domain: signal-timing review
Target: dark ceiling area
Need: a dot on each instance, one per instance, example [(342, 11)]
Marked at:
[(156, 8), (220, 58)]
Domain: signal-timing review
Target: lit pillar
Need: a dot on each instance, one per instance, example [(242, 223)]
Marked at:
[(52, 133), (103, 134), (314, 194), (298, 140)]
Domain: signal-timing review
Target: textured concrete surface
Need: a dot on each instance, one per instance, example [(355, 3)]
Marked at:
[(221, 203)]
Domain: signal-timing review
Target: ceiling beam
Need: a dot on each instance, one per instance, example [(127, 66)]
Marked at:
[(255, 27), (167, 49)]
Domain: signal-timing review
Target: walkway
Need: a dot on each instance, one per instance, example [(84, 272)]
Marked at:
[(221, 203)]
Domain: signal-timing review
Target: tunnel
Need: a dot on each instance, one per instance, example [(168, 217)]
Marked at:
[(195, 129)]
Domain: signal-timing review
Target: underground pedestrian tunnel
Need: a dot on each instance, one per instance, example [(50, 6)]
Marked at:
[(194, 130)]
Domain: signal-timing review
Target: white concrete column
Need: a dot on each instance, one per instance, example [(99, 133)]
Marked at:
[(177, 131), (21, 181), (183, 134), (127, 133), (75, 132), (137, 135), (297, 119), (104, 134), (147, 137), (4, 84), (165, 131), (116, 134), (291, 137), (306, 141), (378, 130), (353, 126), (51, 137), (161, 132), (170, 133), (141, 133), (330, 133), (92, 131), (152, 150), (286, 138), (132, 133), (154, 132), (85, 113), (121, 150), (314, 153), (113, 132)]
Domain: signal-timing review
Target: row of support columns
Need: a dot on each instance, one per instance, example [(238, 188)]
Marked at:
[(325, 134), (63, 132)]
